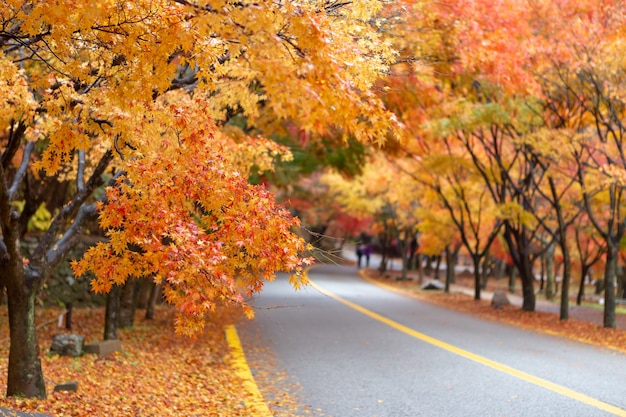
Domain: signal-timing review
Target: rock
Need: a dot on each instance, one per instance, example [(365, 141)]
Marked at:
[(68, 386), (433, 284), (105, 347), (5, 412), (499, 299), (68, 344)]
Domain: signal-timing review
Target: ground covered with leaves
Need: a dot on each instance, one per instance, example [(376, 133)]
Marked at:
[(157, 373), (574, 329)]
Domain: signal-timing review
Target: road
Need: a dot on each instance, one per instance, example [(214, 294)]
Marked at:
[(357, 350)]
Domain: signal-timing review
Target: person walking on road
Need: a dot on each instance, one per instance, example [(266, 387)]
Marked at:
[(367, 252), (359, 254)]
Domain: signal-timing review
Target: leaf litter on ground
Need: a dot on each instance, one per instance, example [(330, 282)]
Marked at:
[(158, 373), (572, 329)]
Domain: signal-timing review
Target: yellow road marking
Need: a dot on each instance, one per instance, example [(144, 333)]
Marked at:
[(254, 400), (480, 359)]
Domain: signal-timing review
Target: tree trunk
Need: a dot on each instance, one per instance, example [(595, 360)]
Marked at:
[(584, 270), (437, 267), (403, 245), (519, 249), (564, 313), (477, 276), (484, 272), (512, 279), (420, 268), (412, 253), (528, 285), (499, 272), (154, 296), (384, 248), (112, 309), (128, 303), (25, 375), (542, 275), (610, 271), (450, 264), (144, 293), (550, 278), (619, 292)]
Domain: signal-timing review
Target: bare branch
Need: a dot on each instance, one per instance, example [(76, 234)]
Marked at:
[(21, 171), (72, 207), (16, 134), (71, 237), (80, 175)]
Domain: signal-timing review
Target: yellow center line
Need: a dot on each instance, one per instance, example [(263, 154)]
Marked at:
[(254, 400), (480, 359)]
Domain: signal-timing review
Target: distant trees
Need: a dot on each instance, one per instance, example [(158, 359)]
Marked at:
[(517, 124)]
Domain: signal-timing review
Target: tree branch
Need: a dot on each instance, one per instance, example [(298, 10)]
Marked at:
[(15, 139), (71, 236), (21, 171), (80, 175), (71, 208)]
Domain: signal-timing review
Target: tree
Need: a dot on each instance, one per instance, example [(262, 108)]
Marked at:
[(583, 83), (565, 52), (589, 251), (133, 95), (459, 188)]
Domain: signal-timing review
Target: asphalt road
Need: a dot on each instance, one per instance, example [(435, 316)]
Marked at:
[(387, 355)]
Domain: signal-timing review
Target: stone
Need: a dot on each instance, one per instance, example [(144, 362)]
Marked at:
[(5, 412), (499, 299), (68, 386), (68, 344), (105, 347), (433, 284)]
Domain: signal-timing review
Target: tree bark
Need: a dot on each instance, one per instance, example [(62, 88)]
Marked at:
[(22, 282), (550, 273), (25, 375), (403, 245), (610, 271), (112, 309), (519, 250), (449, 268), (154, 296), (437, 267), (584, 270), (499, 273), (512, 279), (477, 276), (129, 295), (564, 311), (144, 293), (420, 268), (528, 286), (484, 271)]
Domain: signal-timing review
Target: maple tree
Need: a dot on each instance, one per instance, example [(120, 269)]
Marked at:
[(577, 73), (139, 96), (452, 178), (523, 84)]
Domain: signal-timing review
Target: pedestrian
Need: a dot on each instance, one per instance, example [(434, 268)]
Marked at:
[(367, 252), (359, 254)]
